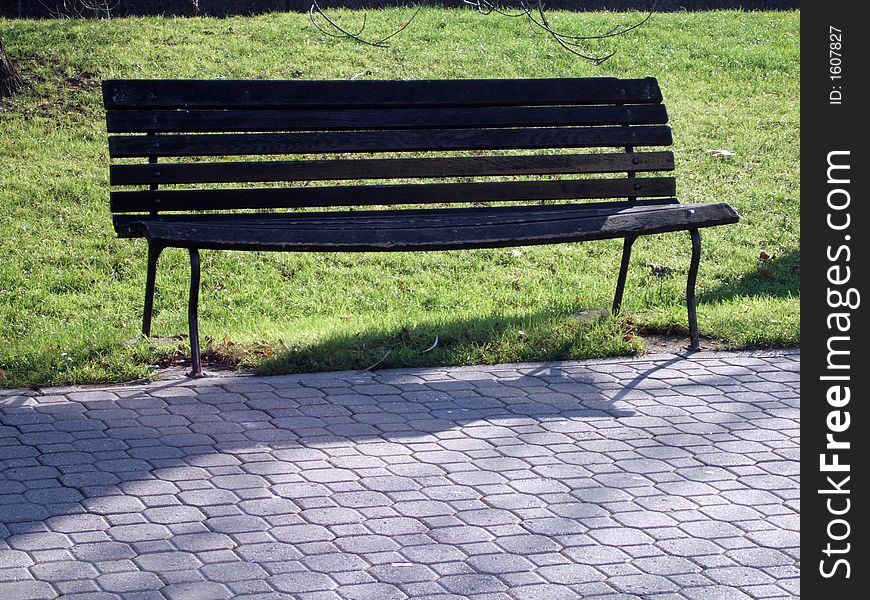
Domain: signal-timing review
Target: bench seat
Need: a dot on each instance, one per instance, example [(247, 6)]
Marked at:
[(427, 229)]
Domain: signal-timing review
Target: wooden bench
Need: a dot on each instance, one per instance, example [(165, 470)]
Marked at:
[(479, 135)]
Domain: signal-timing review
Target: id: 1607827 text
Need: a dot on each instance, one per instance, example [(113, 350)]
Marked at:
[(835, 64)]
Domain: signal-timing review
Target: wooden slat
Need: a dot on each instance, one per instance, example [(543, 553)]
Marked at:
[(143, 121), (387, 141), (444, 234), (223, 199), (388, 168), (125, 223), (168, 94)]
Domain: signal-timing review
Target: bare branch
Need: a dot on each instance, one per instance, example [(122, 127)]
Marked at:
[(533, 10), (617, 30), (81, 9), (344, 33), (315, 9), (484, 7), (569, 46)]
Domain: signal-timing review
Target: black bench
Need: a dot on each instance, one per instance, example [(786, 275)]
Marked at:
[(456, 130)]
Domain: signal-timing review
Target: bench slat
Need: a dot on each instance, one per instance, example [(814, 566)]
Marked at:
[(388, 168), (167, 94), (237, 144), (358, 195), (393, 232), (142, 121), (423, 216)]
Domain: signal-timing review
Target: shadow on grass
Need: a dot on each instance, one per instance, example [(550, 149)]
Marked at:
[(779, 277), (495, 339)]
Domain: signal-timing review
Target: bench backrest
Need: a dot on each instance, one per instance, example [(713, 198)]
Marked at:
[(420, 130)]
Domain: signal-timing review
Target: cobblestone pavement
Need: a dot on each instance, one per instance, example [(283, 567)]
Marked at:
[(656, 477)]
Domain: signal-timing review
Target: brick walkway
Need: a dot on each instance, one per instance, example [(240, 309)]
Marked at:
[(658, 477)]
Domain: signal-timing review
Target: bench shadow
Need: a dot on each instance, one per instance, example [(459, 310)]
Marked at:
[(479, 339), (776, 277), (125, 450)]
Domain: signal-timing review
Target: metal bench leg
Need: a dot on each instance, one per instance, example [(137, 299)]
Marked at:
[(694, 338), (623, 271), (154, 251), (192, 316)]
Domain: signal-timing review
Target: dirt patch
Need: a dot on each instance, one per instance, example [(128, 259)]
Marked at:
[(59, 91), (673, 344)]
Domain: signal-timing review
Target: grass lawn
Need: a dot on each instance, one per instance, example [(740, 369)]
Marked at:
[(71, 292)]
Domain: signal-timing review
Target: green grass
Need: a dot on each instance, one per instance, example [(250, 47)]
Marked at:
[(71, 292)]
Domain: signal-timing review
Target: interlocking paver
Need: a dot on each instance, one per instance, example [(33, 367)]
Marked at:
[(302, 582), (664, 476)]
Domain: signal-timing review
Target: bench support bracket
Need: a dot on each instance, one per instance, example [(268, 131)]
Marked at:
[(694, 339), (154, 251), (193, 316), (623, 271)]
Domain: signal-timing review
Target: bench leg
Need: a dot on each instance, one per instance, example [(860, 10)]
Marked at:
[(154, 251), (193, 316), (694, 338), (623, 271)]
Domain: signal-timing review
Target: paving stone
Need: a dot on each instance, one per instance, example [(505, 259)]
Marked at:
[(433, 553), (201, 542), (596, 555), (14, 558), (228, 572), (139, 532), (201, 590), (719, 592), (642, 585), (471, 584), (298, 534), (620, 536), (528, 544), (738, 576), (171, 515), (363, 544), (552, 526), (521, 481), (570, 574), (760, 557), (103, 551), (208, 497), (295, 583), (64, 570), (500, 564), (461, 534), (268, 552), (331, 516), (133, 581), (27, 590), (236, 524), (39, 541), (666, 565), (108, 505), (394, 526)]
